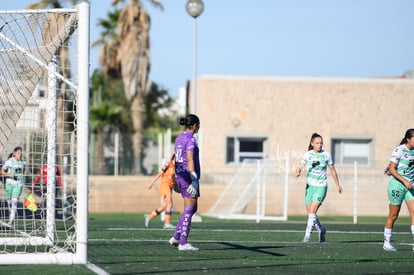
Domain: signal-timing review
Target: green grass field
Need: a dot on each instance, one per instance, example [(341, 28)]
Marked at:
[(120, 244)]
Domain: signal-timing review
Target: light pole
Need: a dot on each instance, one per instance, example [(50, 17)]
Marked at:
[(194, 8)]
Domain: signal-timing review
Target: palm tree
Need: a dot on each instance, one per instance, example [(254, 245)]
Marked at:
[(102, 115), (108, 113), (64, 64), (132, 62), (109, 42)]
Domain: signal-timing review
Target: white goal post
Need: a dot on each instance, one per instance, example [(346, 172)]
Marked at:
[(258, 191), (44, 109)]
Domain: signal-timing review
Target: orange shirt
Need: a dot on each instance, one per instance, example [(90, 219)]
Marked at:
[(168, 174)]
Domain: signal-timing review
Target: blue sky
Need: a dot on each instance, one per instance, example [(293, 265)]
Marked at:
[(319, 38)]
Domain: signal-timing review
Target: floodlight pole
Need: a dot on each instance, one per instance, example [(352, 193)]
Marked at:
[(194, 8)]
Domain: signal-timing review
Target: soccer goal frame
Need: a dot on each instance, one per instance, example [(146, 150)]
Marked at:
[(257, 191), (40, 238)]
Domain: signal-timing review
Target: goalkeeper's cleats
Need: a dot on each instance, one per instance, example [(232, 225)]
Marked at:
[(147, 220), (168, 226), (322, 234), (388, 247), (187, 247), (173, 241)]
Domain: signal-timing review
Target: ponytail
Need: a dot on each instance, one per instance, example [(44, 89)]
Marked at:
[(314, 135)]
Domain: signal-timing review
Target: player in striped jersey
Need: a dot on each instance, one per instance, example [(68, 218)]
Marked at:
[(316, 161), (400, 185), (14, 169)]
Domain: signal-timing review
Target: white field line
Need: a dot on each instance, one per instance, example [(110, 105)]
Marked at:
[(258, 231), (96, 269)]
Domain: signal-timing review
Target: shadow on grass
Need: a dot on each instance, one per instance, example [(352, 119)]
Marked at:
[(367, 241), (258, 249)]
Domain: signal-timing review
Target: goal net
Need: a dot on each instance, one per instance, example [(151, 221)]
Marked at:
[(44, 95), (258, 191)]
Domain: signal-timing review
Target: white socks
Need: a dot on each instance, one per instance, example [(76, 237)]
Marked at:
[(388, 235), (412, 231), (13, 209), (313, 222)]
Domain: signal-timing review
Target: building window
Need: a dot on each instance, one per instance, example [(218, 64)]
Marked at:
[(240, 148), (346, 151)]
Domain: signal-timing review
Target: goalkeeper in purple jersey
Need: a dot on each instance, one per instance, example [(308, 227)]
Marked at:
[(187, 168)]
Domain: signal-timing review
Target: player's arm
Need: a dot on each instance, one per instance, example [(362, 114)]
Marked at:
[(5, 174), (36, 180), (299, 169), (58, 176), (194, 186), (392, 168), (190, 161), (149, 186), (335, 177)]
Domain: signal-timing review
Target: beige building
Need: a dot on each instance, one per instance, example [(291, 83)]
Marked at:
[(256, 117), (360, 119)]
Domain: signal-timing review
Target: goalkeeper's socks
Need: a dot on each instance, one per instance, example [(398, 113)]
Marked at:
[(186, 223), (177, 232)]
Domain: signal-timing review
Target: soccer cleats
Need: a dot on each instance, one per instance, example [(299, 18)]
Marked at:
[(187, 247), (173, 241), (168, 226), (322, 234), (388, 247)]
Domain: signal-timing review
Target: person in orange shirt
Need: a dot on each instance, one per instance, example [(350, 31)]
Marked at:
[(167, 175)]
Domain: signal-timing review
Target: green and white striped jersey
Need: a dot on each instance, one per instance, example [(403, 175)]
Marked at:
[(316, 163), (404, 158), (16, 167)]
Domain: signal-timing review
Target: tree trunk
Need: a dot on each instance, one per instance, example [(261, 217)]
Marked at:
[(136, 113)]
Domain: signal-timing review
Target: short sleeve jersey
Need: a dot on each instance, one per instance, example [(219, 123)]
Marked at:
[(16, 167), (317, 164), (404, 158), (185, 142)]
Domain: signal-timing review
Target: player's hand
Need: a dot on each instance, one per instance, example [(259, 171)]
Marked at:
[(193, 188), (297, 172)]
